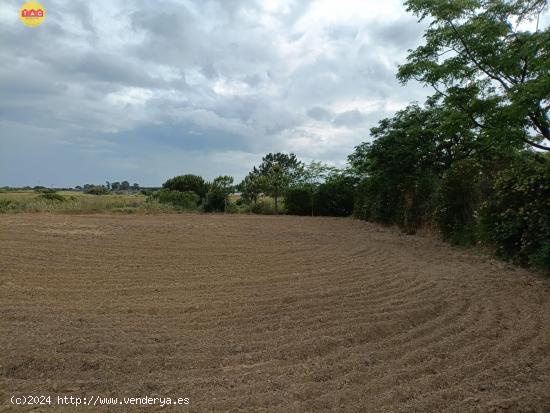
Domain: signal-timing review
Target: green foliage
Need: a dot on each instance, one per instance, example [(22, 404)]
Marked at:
[(217, 197), (146, 191), (224, 184), (418, 201), (96, 190), (187, 183), (303, 187), (459, 161), (335, 197), (275, 182), (251, 187), (266, 206), (380, 201), (45, 190), (52, 196), (299, 200), (7, 205), (215, 201), (516, 217), (399, 171), (459, 198), (288, 164), (233, 208), (74, 202), (278, 171), (188, 200), (316, 173), (481, 64)]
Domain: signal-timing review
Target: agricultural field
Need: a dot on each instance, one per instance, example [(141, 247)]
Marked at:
[(265, 313), (70, 202)]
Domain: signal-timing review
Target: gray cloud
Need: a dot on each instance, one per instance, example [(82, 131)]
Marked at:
[(143, 90), (349, 118), (320, 114)]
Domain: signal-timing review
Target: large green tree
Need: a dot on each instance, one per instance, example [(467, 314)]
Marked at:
[(481, 61)]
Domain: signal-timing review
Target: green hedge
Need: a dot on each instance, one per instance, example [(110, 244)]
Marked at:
[(516, 217), (180, 200)]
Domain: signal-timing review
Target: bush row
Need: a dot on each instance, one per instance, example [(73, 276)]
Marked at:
[(505, 206)]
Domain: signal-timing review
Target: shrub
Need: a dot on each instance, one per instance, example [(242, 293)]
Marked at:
[(516, 217), (146, 191), (6, 205), (43, 190), (334, 197), (96, 190), (233, 208), (299, 200), (180, 200), (52, 196), (418, 201), (265, 206), (459, 197), (215, 201), (187, 183), (377, 199)]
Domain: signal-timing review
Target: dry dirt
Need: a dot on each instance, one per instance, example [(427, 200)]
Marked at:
[(256, 313)]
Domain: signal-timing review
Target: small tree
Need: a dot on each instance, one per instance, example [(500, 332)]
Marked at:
[(276, 182), (224, 185), (311, 176), (251, 187)]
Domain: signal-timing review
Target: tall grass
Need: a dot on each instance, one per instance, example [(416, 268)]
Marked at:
[(63, 202), (16, 201)]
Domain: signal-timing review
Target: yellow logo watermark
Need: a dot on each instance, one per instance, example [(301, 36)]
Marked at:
[(32, 14)]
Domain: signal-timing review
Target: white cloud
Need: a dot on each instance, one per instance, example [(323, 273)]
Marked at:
[(215, 83)]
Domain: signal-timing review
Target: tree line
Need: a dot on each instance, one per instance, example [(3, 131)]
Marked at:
[(109, 187), (472, 162)]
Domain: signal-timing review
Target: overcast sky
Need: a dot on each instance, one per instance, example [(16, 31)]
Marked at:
[(145, 90)]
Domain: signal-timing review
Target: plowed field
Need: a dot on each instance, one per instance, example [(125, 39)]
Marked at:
[(259, 313)]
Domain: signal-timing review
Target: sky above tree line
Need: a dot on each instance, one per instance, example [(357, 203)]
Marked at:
[(145, 90)]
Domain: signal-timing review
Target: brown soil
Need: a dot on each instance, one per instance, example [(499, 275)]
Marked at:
[(256, 313)]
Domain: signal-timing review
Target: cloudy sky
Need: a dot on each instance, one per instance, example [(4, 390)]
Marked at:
[(144, 90)]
